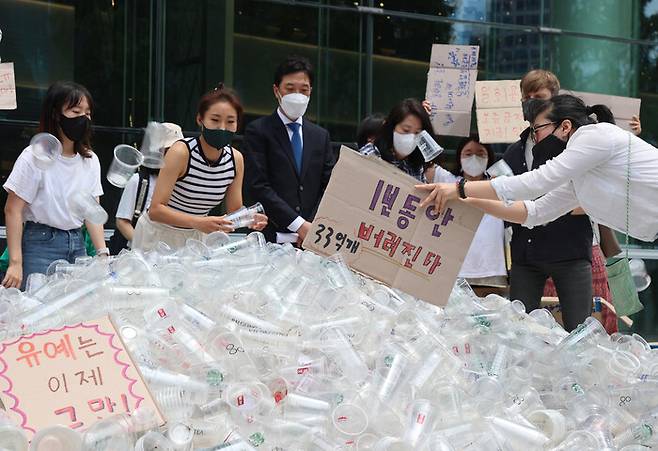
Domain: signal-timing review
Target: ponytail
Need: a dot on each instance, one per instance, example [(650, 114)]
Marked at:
[(602, 113)]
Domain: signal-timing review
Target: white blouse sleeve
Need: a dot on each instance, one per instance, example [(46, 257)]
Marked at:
[(551, 206), (443, 176), (590, 146)]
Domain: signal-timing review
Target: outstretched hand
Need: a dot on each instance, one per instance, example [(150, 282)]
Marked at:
[(439, 195)]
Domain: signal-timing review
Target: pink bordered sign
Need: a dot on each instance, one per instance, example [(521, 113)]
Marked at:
[(74, 375)]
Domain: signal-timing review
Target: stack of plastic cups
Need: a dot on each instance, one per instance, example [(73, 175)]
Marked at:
[(154, 441), (245, 217)]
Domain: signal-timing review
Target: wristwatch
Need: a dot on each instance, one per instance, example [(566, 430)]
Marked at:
[(103, 251), (460, 188)]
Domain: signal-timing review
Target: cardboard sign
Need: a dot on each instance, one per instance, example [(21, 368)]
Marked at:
[(498, 110), (450, 87), (623, 108), (74, 375), (7, 87), (370, 214)]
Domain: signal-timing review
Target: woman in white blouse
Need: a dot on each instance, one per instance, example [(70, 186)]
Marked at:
[(599, 163)]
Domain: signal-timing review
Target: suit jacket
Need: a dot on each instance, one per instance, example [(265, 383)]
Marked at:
[(271, 177), (567, 238)]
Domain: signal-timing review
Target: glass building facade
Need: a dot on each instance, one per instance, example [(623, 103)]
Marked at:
[(151, 60)]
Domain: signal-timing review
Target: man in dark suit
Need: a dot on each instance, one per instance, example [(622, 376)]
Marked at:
[(288, 159)]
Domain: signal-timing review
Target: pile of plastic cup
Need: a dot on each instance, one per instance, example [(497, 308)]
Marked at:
[(246, 345)]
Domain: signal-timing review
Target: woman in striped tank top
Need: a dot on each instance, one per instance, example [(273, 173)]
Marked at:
[(197, 175)]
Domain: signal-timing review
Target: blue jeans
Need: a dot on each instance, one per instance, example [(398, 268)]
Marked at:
[(43, 244)]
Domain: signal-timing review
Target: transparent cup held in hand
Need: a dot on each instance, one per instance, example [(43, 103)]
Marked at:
[(125, 163), (499, 169), (45, 148), (85, 207), (428, 146), (245, 217)]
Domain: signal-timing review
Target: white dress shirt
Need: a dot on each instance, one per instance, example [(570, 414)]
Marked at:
[(592, 173), (298, 221)]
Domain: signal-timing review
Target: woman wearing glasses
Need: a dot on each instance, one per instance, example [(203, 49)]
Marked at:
[(600, 168)]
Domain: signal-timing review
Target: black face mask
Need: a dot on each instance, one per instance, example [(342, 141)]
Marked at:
[(525, 106), (546, 149), (74, 128)]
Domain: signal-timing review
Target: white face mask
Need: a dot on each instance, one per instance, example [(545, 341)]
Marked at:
[(404, 143), (294, 105), (474, 165)]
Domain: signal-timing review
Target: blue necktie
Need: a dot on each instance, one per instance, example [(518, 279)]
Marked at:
[(296, 142)]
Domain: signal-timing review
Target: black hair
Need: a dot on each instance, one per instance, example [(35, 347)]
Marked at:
[(565, 106), (474, 137), (291, 65), (384, 140), (369, 128), (63, 95)]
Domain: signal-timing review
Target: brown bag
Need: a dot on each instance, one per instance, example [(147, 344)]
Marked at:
[(608, 242)]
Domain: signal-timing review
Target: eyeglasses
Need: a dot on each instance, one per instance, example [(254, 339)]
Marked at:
[(536, 128)]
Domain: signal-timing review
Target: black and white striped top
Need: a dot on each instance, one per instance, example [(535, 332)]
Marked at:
[(204, 184)]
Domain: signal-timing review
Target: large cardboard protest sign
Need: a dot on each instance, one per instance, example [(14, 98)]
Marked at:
[(7, 87), (498, 110), (623, 108), (450, 87), (74, 375), (370, 214)]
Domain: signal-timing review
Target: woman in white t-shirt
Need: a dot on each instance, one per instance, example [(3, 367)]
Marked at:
[(125, 216), (484, 266), (40, 226)]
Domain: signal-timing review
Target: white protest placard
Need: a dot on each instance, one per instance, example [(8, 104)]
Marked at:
[(370, 214), (74, 375), (498, 110), (450, 87), (7, 87), (623, 108)]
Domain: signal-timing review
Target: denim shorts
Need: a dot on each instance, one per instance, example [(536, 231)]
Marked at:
[(43, 244)]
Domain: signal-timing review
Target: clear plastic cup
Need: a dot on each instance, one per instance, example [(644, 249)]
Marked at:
[(551, 422), (56, 438), (181, 436), (86, 207), (349, 419), (639, 272), (12, 437), (245, 217), (429, 148), (499, 169), (126, 161), (157, 137), (154, 441), (420, 421), (45, 148)]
